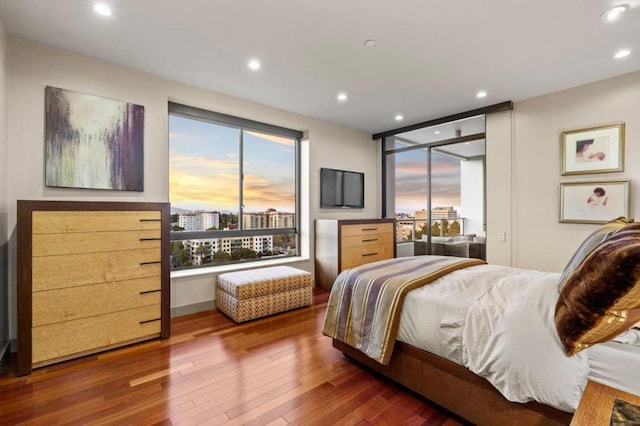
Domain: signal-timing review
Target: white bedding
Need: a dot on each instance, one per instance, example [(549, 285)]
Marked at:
[(511, 340), (433, 315), (499, 322), (617, 364)]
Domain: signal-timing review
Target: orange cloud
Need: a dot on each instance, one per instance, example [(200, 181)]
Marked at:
[(220, 191), (217, 193), (261, 193), (191, 162)]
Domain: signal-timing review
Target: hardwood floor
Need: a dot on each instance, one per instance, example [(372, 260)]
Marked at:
[(278, 370)]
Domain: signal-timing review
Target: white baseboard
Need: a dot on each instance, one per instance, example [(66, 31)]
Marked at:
[(179, 311)]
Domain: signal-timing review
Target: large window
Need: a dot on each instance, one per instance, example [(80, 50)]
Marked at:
[(233, 187)]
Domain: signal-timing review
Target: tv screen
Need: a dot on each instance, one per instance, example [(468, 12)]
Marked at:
[(341, 189)]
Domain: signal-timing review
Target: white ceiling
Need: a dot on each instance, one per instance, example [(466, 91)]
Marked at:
[(430, 57)]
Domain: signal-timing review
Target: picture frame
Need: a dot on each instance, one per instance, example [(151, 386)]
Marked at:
[(92, 142), (594, 202), (593, 150)]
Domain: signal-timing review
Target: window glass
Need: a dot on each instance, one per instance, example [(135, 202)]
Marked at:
[(216, 219), (204, 171), (445, 195), (269, 182), (411, 193)]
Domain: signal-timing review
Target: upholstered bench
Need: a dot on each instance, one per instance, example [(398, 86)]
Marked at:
[(246, 295)]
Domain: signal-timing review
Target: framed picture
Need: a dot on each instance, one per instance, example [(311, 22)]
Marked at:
[(93, 142), (594, 202), (595, 150)]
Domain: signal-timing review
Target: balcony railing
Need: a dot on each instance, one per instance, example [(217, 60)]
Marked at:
[(448, 238), (415, 229)]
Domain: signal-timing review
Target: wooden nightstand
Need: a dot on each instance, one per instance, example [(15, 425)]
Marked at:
[(597, 403)]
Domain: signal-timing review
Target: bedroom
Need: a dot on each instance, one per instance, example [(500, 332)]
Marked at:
[(523, 158)]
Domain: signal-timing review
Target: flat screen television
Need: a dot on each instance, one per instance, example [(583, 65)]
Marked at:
[(341, 189)]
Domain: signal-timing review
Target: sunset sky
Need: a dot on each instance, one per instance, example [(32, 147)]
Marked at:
[(411, 181), (204, 168), (204, 164)]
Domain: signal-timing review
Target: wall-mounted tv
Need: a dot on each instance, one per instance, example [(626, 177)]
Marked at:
[(341, 189)]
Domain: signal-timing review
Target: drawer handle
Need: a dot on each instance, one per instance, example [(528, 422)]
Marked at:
[(369, 240), (150, 220), (150, 263), (148, 321), (149, 291), (369, 254), (151, 239), (369, 229)]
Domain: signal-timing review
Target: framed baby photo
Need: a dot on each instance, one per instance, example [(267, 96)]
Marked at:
[(594, 202), (594, 150)]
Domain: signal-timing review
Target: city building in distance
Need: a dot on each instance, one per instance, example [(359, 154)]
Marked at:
[(187, 253)]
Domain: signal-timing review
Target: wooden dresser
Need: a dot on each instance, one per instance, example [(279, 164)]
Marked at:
[(91, 276), (345, 244)]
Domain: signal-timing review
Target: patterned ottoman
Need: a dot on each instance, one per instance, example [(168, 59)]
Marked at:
[(256, 293)]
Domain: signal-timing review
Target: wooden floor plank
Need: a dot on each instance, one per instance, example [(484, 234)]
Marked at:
[(277, 371)]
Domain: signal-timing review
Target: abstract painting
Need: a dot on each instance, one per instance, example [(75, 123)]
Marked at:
[(93, 142)]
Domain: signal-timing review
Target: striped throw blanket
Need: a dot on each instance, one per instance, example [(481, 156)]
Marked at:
[(365, 302)]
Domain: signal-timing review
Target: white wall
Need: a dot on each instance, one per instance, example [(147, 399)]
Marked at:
[(541, 241), (499, 188), (32, 67), (524, 169), (472, 195), (4, 237)]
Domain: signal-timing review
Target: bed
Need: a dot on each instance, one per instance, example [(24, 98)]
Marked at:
[(495, 344)]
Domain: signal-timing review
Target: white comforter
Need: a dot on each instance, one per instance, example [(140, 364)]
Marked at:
[(498, 322)]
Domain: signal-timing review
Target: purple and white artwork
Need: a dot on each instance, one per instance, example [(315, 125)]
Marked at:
[(93, 142)]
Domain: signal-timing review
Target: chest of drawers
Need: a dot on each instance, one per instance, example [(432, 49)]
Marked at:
[(345, 244), (91, 276)]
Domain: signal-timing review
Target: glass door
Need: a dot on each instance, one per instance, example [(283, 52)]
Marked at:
[(435, 188)]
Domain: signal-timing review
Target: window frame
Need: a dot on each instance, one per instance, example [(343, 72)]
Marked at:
[(242, 124)]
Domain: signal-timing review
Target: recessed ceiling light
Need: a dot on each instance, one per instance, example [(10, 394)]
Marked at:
[(370, 43), (622, 53), (481, 94), (342, 97), (102, 9), (437, 132), (613, 13), (467, 143), (399, 117), (254, 64)]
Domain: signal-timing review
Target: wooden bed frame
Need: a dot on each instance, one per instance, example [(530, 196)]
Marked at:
[(456, 388)]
